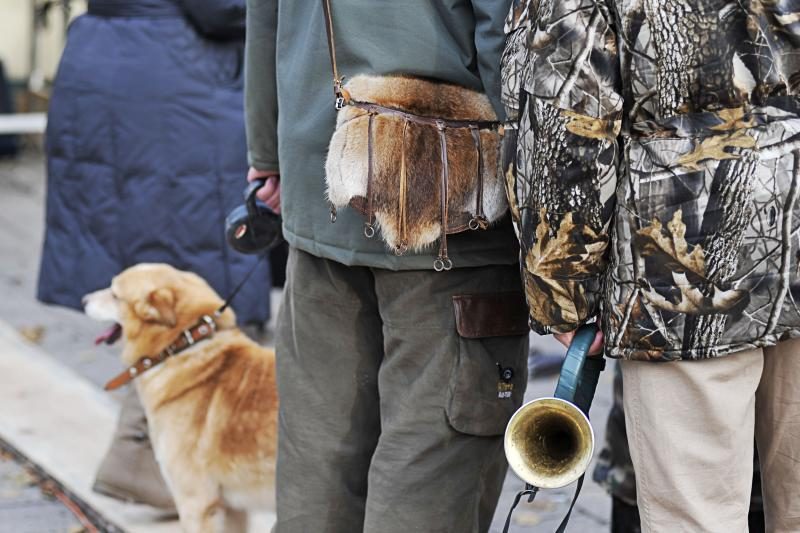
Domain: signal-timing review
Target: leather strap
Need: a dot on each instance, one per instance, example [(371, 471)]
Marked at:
[(479, 220), (377, 109), (402, 215), (369, 225), (531, 492), (204, 328), (341, 96), (443, 262)]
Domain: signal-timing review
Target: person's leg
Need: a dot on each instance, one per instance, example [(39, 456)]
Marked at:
[(690, 429), (778, 435), (439, 464), (329, 348), (129, 471), (614, 469)]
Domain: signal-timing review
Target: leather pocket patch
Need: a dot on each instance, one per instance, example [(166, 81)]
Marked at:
[(499, 314)]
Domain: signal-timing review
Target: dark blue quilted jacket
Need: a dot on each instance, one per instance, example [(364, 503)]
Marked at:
[(146, 148)]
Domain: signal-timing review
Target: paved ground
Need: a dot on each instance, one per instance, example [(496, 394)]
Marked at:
[(67, 336), (23, 507)]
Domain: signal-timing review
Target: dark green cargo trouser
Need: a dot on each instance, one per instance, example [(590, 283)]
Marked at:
[(390, 420)]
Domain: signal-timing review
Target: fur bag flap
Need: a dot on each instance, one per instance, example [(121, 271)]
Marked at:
[(399, 167)]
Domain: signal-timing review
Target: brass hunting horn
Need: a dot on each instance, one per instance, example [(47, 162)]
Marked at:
[(549, 441)]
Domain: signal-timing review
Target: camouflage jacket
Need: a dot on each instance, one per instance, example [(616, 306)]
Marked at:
[(652, 161)]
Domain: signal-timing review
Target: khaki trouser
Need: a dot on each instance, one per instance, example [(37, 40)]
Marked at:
[(390, 421), (691, 426)]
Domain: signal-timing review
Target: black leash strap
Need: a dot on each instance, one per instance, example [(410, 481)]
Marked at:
[(531, 492), (241, 284)]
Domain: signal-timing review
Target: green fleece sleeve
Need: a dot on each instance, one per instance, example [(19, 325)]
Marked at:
[(261, 93), (489, 42)]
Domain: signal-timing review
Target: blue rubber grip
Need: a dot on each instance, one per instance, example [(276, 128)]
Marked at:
[(580, 373)]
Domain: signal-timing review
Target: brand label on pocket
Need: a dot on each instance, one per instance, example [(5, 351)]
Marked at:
[(504, 389)]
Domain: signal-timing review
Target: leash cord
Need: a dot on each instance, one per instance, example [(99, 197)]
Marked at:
[(241, 284)]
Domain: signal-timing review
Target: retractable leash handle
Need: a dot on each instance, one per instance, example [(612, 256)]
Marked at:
[(253, 228), (577, 384)]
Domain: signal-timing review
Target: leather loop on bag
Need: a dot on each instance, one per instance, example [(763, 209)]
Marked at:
[(500, 314)]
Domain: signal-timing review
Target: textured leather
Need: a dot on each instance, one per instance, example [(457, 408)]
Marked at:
[(491, 315)]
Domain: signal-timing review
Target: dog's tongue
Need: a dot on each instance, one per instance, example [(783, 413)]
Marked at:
[(110, 336)]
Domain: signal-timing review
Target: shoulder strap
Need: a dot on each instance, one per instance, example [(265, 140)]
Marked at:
[(342, 98)]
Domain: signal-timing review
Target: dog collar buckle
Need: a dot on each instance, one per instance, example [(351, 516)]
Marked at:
[(204, 328)]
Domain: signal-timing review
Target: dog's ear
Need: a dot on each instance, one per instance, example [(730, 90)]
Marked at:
[(158, 307)]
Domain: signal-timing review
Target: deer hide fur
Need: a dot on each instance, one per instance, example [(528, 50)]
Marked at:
[(347, 162)]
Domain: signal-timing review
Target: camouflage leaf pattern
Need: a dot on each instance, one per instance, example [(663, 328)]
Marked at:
[(668, 133)]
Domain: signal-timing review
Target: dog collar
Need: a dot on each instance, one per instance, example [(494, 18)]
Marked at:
[(202, 329)]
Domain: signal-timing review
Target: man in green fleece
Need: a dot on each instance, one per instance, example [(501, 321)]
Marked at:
[(394, 379)]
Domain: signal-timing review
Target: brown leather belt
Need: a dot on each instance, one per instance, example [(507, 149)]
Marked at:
[(377, 109)]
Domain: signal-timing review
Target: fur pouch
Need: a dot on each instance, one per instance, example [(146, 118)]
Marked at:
[(385, 160)]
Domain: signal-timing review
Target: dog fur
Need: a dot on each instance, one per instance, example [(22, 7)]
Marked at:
[(346, 167), (212, 409)]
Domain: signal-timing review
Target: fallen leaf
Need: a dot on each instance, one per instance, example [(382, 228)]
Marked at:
[(32, 334)]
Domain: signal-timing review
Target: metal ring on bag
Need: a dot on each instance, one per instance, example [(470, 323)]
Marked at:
[(448, 263), (333, 216), (474, 224), (369, 231), (400, 249), (438, 265)]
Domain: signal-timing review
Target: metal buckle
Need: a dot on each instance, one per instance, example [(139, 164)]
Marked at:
[(339, 105), (477, 223), (210, 322), (188, 337)]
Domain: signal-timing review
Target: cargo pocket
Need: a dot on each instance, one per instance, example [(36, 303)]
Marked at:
[(488, 382)]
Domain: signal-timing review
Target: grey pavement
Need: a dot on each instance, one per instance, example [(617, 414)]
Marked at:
[(23, 507), (67, 336)]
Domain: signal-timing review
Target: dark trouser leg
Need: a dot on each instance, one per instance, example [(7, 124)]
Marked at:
[(329, 348), (439, 464)]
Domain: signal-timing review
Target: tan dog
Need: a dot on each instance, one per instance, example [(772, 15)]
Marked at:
[(212, 408)]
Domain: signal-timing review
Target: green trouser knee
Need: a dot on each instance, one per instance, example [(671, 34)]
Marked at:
[(390, 420)]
